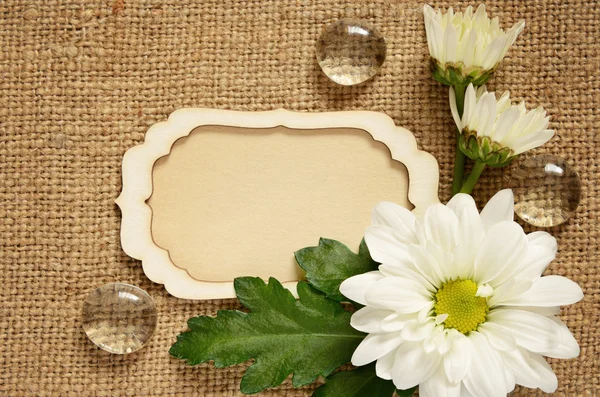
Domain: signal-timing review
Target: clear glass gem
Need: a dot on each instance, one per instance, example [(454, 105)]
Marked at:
[(119, 318), (547, 190), (350, 51)]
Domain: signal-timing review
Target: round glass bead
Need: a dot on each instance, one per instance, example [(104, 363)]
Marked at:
[(547, 190), (119, 318), (350, 51)]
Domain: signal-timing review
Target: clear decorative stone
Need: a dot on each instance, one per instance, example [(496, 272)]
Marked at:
[(350, 51), (547, 190), (119, 318)]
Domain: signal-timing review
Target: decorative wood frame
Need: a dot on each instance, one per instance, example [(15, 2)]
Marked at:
[(138, 162)]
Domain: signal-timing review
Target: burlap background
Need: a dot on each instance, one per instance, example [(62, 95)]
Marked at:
[(81, 81)]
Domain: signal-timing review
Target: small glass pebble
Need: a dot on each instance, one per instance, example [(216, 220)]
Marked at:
[(119, 318), (350, 51), (547, 190)]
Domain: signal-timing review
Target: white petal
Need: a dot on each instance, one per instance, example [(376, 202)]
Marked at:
[(386, 246), (407, 271), (449, 336), (543, 239), (465, 393), (441, 226), (499, 208), (428, 11), (485, 291), (469, 13), (354, 288), (493, 52), (480, 91), (395, 293), (535, 262), (531, 331), (505, 122), (429, 33), (375, 346), (524, 121), (544, 311), (384, 365), (469, 236), (487, 375), (438, 34), (548, 380), (500, 253), (481, 44), (416, 331), (531, 370), (425, 311), (470, 102), (457, 360), (438, 385), (398, 218), (542, 250), (435, 340), (493, 26), (498, 337), (434, 38), (460, 202), (518, 361), (549, 291), (413, 365), (515, 31), (476, 114), (440, 318), (480, 14), (538, 122), (470, 46), (504, 104), (450, 44), (395, 322), (567, 346), (426, 264), (531, 141), (454, 109), (444, 260), (488, 114), (369, 319), (508, 290)]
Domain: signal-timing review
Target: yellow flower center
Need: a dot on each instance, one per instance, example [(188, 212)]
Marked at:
[(457, 299)]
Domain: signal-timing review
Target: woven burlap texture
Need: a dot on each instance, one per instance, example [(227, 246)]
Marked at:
[(81, 82)]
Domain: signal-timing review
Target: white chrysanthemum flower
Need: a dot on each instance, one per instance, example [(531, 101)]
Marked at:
[(458, 305), (494, 131), (466, 47)]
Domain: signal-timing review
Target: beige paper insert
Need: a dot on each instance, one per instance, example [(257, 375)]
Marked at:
[(239, 201)]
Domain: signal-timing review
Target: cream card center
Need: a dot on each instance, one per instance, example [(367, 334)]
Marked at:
[(239, 201)]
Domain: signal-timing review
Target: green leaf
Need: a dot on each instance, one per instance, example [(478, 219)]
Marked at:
[(331, 262), (361, 382), (407, 392), (308, 337)]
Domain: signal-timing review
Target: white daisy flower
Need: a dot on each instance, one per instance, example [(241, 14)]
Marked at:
[(494, 131), (466, 47), (458, 305)]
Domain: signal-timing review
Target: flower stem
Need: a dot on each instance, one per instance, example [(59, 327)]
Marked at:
[(471, 180), (459, 168), (459, 159)]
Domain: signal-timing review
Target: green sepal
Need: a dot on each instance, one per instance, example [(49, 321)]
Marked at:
[(484, 149), (480, 78), (454, 75), (458, 74), (332, 262), (308, 337)]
